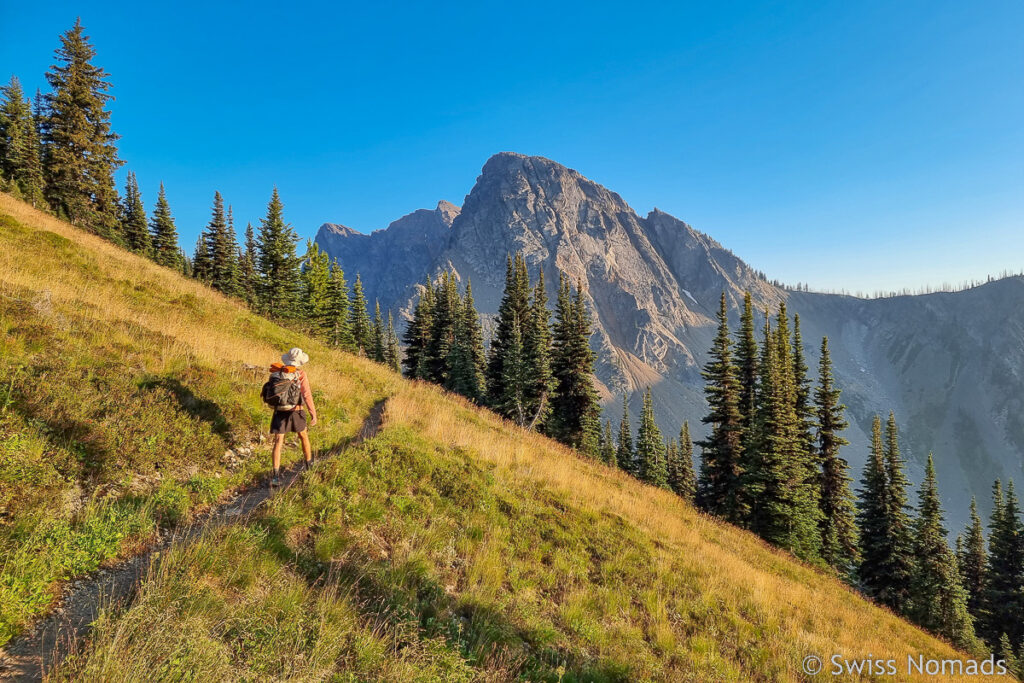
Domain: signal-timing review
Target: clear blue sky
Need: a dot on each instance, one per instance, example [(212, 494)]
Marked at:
[(856, 145)]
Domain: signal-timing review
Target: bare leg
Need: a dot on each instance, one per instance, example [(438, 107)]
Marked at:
[(276, 452), (307, 450)]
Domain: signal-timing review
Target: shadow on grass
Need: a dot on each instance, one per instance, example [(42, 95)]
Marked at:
[(410, 604), (202, 408)]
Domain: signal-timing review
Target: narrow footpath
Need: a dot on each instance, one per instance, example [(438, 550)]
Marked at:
[(53, 637)]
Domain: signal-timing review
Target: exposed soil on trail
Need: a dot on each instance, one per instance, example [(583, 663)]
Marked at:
[(52, 638)]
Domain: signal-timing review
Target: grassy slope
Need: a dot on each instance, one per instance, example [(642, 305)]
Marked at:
[(452, 546), (122, 387)]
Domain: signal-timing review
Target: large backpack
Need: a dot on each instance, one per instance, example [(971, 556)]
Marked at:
[(283, 391)]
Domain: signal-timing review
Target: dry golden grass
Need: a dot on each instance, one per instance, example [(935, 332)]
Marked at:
[(811, 613)]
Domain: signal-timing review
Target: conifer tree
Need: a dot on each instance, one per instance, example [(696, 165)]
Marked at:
[(81, 152), (392, 355), (278, 263), (466, 358), (537, 352), (608, 445), (417, 335), (973, 559), (201, 261), (805, 413), (718, 489), (513, 379), (359, 319), (872, 521), (686, 486), (938, 601), (650, 447), (341, 332), (1004, 650), (442, 332), (378, 344), (575, 411), (898, 520), (20, 160), (248, 271), (164, 234), (839, 542), (1003, 597), (747, 365), (222, 248), (134, 229), (625, 456), (316, 291), (514, 309), (780, 484)]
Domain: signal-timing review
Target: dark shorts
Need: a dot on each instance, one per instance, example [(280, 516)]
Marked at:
[(285, 421)]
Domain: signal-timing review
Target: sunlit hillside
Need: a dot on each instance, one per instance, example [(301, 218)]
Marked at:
[(451, 546)]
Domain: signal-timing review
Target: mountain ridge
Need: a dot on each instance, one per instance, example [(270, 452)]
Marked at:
[(652, 285)]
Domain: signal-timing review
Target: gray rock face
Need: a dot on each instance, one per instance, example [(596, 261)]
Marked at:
[(950, 365), (392, 260)]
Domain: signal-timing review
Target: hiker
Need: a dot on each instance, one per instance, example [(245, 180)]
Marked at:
[(288, 392)]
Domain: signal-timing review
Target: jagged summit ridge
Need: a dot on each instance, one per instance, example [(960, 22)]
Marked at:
[(652, 285)]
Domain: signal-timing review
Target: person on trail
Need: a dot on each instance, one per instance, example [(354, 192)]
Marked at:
[(288, 393)]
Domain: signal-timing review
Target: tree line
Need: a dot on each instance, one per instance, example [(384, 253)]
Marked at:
[(538, 369), (58, 152), (771, 463)]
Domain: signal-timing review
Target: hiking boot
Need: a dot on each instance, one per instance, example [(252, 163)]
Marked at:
[(275, 481), (307, 464)]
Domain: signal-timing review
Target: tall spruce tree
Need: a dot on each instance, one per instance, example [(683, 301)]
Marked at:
[(316, 291), (359, 319), (341, 331), (625, 455), (392, 354), (513, 379), (442, 332), (222, 248), (466, 358), (537, 352), (279, 265), (780, 483), (417, 335), (839, 541), (1003, 598), (872, 522), (164, 234), (805, 413), (514, 309), (134, 229), (973, 560), (747, 365), (938, 600), (20, 150), (575, 410), (900, 528), (686, 486), (718, 489), (650, 447), (81, 154), (248, 269), (378, 342)]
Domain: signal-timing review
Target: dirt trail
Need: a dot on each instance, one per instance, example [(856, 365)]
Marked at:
[(29, 656)]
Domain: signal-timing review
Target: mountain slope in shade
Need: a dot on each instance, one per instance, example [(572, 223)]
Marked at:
[(948, 364)]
